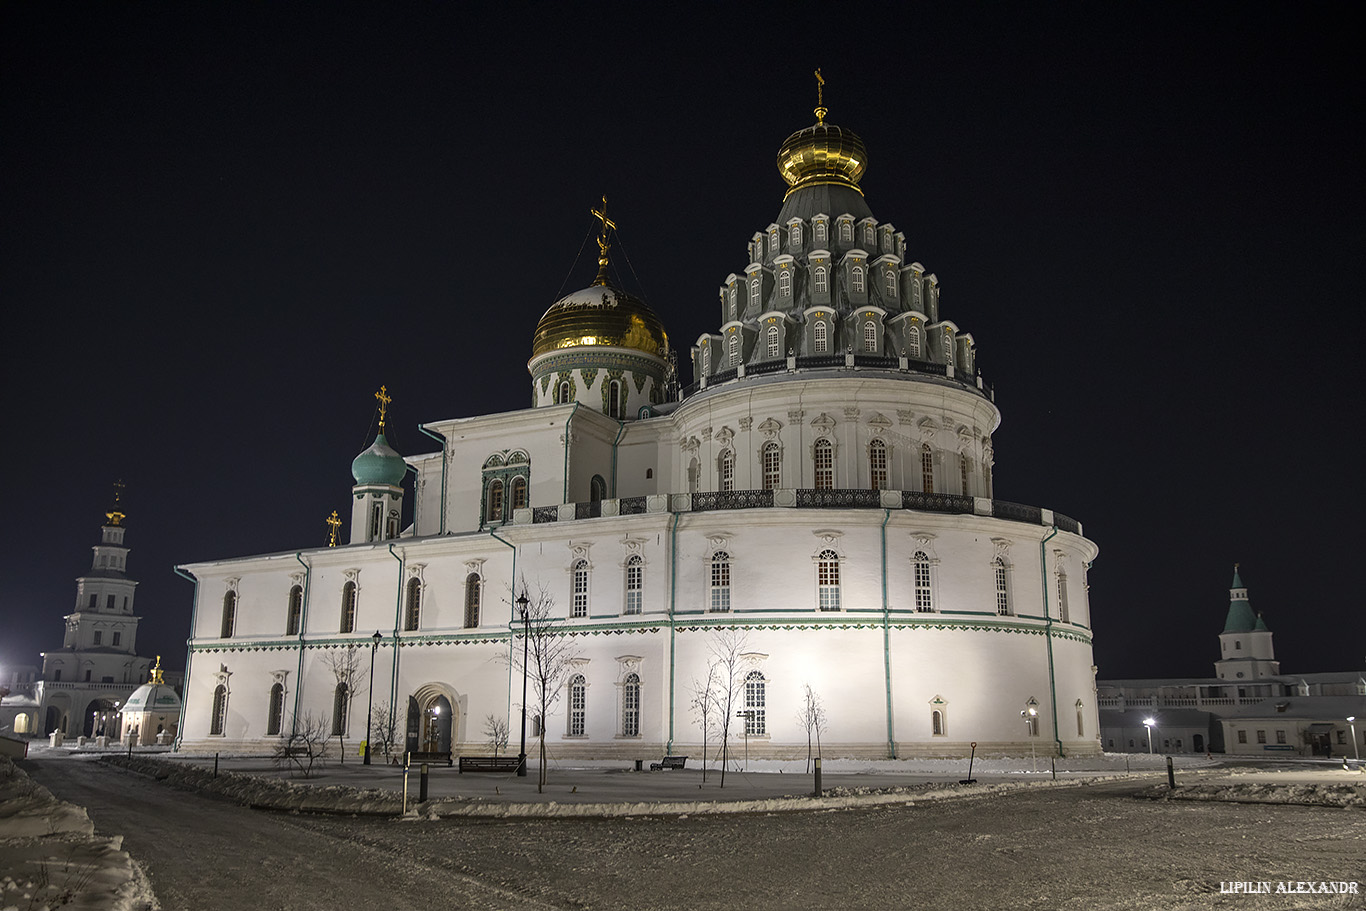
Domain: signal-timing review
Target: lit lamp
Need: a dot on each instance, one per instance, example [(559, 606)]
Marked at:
[(1030, 715), (1148, 723), (1356, 744), (370, 709), (522, 602)]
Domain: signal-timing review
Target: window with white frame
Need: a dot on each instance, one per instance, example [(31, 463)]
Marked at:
[(772, 459), (820, 338), (771, 338), (229, 624), (341, 702), (869, 240), (754, 293), (731, 305), (348, 608), (924, 591), (948, 348), (1002, 586), (773, 242), (877, 465), (794, 236), (276, 710), (820, 232), (846, 232), (578, 604), (725, 470), (828, 580), (719, 601), (926, 469), (1063, 614), (870, 336), (495, 501), (856, 279), (964, 466), (822, 280), (635, 583), (824, 459), (785, 283), (294, 615), (733, 348), (578, 705), (913, 341), (563, 395), (630, 706), (412, 608), (473, 591), (937, 722), (519, 498), (889, 284), (219, 720), (756, 718), (706, 359)]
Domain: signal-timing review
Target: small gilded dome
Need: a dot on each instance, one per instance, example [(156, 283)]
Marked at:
[(600, 315), (379, 464), (822, 154)]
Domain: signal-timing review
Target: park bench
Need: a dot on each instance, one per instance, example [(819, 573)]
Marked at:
[(669, 762), (488, 764), (430, 756)]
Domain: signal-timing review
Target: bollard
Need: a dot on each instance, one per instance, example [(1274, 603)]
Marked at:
[(818, 777), (407, 758), (422, 784), (1053, 767), (215, 765), (1171, 775)]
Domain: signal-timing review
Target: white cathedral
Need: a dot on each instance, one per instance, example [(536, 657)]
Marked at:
[(824, 487)]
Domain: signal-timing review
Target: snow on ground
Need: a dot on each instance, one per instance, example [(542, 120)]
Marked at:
[(1306, 794), (50, 856)]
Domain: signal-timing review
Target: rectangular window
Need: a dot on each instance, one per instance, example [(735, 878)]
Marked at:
[(1261, 736), (109, 603), (1242, 736), (98, 636), (720, 585), (117, 637), (1280, 736), (820, 232), (87, 676)]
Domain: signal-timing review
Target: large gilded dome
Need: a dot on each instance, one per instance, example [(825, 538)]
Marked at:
[(822, 154), (600, 315)]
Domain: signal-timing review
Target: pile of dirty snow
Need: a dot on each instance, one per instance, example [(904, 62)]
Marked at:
[(1305, 794)]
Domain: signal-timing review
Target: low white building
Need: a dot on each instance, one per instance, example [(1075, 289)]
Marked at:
[(824, 489)]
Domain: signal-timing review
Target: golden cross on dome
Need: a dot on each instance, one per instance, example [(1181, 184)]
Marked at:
[(115, 515), (820, 97), (384, 400), (603, 245), (157, 672), (333, 523)]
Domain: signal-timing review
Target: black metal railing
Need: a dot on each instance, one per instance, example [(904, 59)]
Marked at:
[(732, 499), (1066, 523), (1004, 509), (767, 367), (544, 514), (876, 360), (936, 502), (834, 499), (632, 506), (821, 360), (589, 510)]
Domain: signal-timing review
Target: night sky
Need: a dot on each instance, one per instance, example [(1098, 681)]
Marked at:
[(224, 226)]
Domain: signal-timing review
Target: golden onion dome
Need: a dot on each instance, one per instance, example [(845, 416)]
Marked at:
[(600, 315), (822, 154)]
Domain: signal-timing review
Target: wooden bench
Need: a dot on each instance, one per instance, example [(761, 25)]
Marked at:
[(669, 762), (429, 756), (488, 764)]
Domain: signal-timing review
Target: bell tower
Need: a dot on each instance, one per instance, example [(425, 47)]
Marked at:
[(1245, 648)]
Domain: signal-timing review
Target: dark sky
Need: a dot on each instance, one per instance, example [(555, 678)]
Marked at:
[(226, 225)]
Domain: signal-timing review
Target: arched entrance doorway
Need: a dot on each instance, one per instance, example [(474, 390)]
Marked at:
[(101, 718), (53, 721), (1198, 742), (433, 719)]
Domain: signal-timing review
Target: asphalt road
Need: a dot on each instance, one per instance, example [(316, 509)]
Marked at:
[(1093, 846)]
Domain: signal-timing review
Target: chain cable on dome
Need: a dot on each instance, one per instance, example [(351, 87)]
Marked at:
[(577, 256)]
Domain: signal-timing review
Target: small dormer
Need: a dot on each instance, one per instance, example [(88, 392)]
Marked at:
[(730, 298), (772, 342), (756, 248), (820, 337), (775, 240), (844, 230), (855, 267), (942, 342), (931, 307), (758, 289), (867, 233), (887, 238), (866, 330), (966, 353), (785, 282), (820, 230), (794, 235), (900, 246)]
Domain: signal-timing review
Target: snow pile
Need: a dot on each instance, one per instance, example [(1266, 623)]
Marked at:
[(50, 856), (1313, 794)]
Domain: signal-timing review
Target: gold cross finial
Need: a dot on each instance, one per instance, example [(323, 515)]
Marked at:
[(157, 672), (115, 515), (333, 523), (603, 245), (820, 97), (384, 400)]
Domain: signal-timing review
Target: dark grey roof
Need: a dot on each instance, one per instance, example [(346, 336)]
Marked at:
[(828, 199), (102, 574)]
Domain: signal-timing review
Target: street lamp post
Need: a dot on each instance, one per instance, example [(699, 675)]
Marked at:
[(370, 709), (1356, 744), (522, 602), (1029, 715), (746, 714), (1148, 723)]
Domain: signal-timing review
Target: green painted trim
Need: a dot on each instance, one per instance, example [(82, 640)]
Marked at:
[(189, 651), (444, 446)]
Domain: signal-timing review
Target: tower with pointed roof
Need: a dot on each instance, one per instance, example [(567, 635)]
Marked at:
[(1245, 649)]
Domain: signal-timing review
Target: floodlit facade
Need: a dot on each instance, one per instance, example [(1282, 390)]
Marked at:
[(824, 489)]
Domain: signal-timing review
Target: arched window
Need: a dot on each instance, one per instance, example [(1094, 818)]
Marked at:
[(794, 236), (578, 704), (630, 706), (924, 597), (495, 502), (828, 580), (229, 615), (348, 608), (754, 295), (937, 723), (597, 489), (926, 469), (846, 232), (578, 605), (870, 336), (964, 466), (820, 338), (731, 304), (694, 475), (614, 399), (733, 348), (635, 583), (771, 336), (856, 279), (948, 348), (822, 280), (1063, 613), (889, 284), (473, 594), (1002, 587), (706, 359), (412, 609), (785, 283), (725, 470), (294, 616), (1081, 723), (820, 232), (720, 582), (756, 721), (519, 500), (276, 712), (772, 459), (913, 341), (868, 239), (565, 395), (877, 465), (219, 720), (341, 703), (824, 454)]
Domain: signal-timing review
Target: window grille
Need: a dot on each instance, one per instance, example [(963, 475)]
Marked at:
[(870, 336), (726, 471), (926, 469), (1064, 614), (822, 345), (828, 579), (348, 608), (937, 723), (771, 336), (754, 295), (630, 706), (785, 283), (772, 465), (1002, 591), (294, 616), (720, 582), (578, 705), (820, 232), (473, 595), (733, 345), (825, 465), (229, 615), (276, 711), (341, 701), (579, 602), (856, 279), (220, 710), (913, 341), (924, 597), (635, 583), (846, 232), (963, 466), (877, 465), (794, 236), (495, 510), (412, 613), (889, 284), (756, 722), (519, 498)]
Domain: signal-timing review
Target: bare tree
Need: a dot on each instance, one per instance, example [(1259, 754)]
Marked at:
[(305, 746), (704, 708), (496, 730), (727, 648), (549, 657), (812, 717), (383, 730), (346, 667)]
